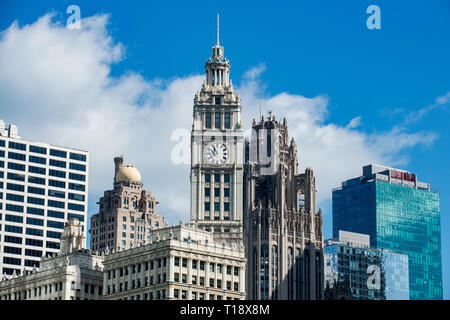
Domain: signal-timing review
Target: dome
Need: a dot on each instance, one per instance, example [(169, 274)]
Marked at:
[(128, 173)]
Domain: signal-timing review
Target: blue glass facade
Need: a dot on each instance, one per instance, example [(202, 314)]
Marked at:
[(358, 265), (399, 214)]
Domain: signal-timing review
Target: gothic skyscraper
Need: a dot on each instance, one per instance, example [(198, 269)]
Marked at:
[(217, 147), (282, 230)]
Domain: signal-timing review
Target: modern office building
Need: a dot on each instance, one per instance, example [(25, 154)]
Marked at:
[(72, 274), (41, 187), (399, 213), (217, 146), (127, 213), (372, 273), (181, 262), (282, 229)]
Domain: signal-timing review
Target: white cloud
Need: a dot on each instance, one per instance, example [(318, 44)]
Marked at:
[(55, 84)]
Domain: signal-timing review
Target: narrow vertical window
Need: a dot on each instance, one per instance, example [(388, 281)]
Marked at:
[(208, 120), (217, 119), (227, 120)]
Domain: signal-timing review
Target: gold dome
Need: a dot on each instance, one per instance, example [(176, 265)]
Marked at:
[(128, 173)]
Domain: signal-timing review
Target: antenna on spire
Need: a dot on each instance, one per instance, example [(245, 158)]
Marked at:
[(217, 30)]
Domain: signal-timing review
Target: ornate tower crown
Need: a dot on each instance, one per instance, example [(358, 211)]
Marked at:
[(217, 67)]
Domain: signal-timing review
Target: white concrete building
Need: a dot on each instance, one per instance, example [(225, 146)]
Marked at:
[(41, 187), (217, 152), (73, 274), (180, 262)]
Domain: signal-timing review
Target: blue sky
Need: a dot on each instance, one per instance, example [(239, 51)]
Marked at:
[(389, 79)]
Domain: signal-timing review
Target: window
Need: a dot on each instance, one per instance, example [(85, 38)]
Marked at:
[(37, 201), (211, 282), (55, 204), (76, 166), (176, 277), (36, 211), (219, 283), (14, 197), (76, 216), (13, 207), (58, 153), (211, 267), (15, 187), (16, 166), (52, 245), (55, 214), (177, 261), (56, 183), (207, 206), (216, 192), (16, 156), (37, 170), (77, 197), (77, 156), (194, 280), (56, 194), (216, 206), (236, 286), (75, 176), (236, 271), (55, 224), (207, 192), (202, 265), (16, 176), (37, 149), (33, 253), (36, 222), (184, 278), (16, 145), (217, 119), (226, 178), (194, 264), (208, 120), (11, 239), (9, 260), (36, 190), (35, 159), (53, 234), (57, 163), (226, 192), (57, 173), (34, 232), (217, 178), (36, 180), (229, 270), (227, 120), (226, 206), (33, 242), (75, 186)]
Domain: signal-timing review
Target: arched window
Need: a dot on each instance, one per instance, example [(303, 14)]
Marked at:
[(274, 272), (264, 269)]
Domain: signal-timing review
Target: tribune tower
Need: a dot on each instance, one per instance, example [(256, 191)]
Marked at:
[(217, 146)]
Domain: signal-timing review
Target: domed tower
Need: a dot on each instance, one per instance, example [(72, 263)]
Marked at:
[(126, 214)]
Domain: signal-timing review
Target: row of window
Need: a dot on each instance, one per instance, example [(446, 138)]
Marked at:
[(213, 283), (50, 203), (36, 180), (218, 120), (52, 172), (43, 150), (36, 232), (216, 176), (201, 264)]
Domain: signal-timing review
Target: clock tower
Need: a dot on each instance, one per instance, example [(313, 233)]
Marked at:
[(217, 147)]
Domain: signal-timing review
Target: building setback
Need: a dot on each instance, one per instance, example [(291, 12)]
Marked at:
[(126, 214), (282, 230), (399, 213), (372, 273), (73, 274), (181, 262), (41, 187)]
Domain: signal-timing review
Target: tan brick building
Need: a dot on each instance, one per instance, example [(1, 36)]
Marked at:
[(127, 213)]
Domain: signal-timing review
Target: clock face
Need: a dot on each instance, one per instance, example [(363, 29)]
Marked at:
[(217, 153)]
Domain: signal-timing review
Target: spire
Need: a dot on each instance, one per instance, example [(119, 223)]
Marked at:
[(217, 44)]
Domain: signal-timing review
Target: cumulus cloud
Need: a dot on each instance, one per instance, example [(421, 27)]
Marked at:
[(55, 84)]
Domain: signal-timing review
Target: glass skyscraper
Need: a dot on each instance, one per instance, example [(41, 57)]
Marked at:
[(400, 214), (372, 273)]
